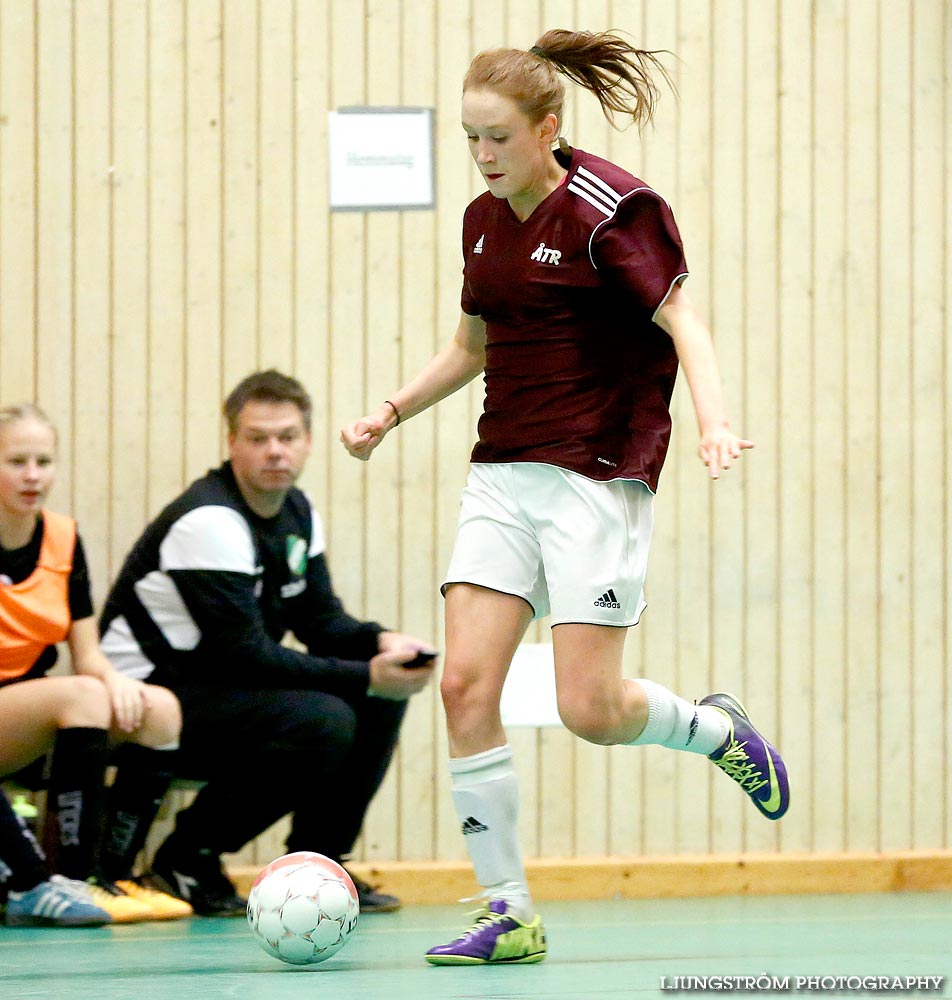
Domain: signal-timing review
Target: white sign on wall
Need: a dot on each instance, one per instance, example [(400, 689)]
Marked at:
[(528, 696), (381, 159)]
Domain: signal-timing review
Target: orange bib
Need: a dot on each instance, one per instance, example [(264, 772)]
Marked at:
[(35, 613)]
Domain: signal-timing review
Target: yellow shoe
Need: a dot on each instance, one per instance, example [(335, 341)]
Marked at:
[(122, 908), (161, 904)]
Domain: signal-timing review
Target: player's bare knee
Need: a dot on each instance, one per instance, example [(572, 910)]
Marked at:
[(590, 723), (162, 723), (84, 702), (591, 730), (465, 702), (455, 689)]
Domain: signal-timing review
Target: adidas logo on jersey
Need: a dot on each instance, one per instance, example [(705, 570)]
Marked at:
[(608, 600), (479, 244), (546, 254), (472, 825)]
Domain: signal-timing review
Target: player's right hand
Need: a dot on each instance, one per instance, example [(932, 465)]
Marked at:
[(390, 679), (362, 436), (128, 699)]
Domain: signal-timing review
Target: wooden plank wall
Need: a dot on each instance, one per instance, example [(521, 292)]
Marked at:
[(164, 229)]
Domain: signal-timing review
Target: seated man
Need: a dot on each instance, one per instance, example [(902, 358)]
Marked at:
[(201, 605)]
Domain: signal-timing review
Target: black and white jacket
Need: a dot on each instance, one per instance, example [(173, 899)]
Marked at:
[(210, 589)]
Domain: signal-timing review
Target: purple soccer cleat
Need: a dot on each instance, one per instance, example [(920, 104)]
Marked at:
[(747, 758), (496, 938)]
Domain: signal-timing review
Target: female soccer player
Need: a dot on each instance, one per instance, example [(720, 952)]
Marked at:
[(574, 310), (45, 599)]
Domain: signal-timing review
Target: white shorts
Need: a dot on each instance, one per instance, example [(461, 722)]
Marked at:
[(571, 547)]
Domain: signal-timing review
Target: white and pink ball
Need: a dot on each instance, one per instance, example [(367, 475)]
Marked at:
[(303, 908)]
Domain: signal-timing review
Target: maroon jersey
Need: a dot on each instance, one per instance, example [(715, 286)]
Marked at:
[(577, 373)]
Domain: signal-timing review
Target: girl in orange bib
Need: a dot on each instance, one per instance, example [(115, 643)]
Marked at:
[(77, 719)]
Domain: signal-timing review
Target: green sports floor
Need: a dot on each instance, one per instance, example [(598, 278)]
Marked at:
[(610, 949)]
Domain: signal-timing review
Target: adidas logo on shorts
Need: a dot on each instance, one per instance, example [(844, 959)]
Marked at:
[(608, 600), (472, 825)]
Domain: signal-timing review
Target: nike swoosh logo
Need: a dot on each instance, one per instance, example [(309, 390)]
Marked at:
[(773, 803)]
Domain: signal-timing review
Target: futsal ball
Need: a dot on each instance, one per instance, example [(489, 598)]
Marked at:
[(302, 908)]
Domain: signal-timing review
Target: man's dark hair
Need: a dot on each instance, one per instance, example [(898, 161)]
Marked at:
[(269, 386)]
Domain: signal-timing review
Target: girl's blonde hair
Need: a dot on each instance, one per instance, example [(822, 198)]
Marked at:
[(24, 411), (621, 77)]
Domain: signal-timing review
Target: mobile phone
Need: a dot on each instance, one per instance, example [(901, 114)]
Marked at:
[(423, 658)]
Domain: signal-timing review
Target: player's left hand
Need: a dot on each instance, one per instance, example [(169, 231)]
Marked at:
[(128, 698), (719, 449)]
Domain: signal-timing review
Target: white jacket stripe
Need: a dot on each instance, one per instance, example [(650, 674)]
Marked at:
[(584, 174), (608, 211)]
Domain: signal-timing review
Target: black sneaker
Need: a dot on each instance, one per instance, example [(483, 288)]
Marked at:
[(372, 901), (198, 879)]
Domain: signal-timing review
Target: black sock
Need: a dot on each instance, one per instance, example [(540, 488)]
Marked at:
[(142, 779), (20, 852), (76, 799)]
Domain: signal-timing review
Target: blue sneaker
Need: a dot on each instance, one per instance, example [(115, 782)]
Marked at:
[(50, 904), (747, 758), (496, 938)]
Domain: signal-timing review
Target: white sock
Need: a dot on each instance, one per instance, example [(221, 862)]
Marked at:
[(486, 795), (679, 725)]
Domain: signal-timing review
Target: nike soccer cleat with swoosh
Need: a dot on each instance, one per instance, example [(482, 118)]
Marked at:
[(496, 938), (749, 759)]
